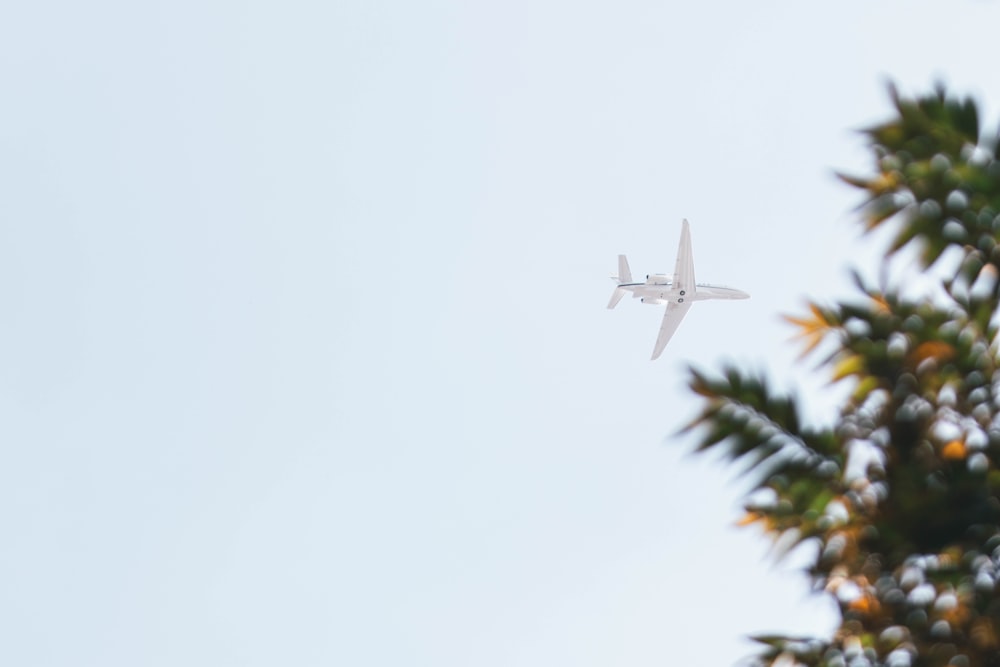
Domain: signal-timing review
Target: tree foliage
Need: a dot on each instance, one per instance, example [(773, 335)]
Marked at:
[(901, 494)]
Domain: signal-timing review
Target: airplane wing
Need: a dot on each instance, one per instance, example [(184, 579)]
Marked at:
[(684, 269), (671, 320)]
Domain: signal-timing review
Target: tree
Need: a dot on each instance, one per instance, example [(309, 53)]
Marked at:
[(901, 494)]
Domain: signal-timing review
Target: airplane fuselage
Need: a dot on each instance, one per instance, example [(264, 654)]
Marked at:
[(658, 290)]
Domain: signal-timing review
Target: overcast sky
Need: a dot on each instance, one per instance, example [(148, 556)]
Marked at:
[(305, 357)]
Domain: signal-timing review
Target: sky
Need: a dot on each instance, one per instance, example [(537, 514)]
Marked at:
[(305, 358)]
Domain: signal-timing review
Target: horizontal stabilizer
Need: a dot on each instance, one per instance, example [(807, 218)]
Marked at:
[(624, 274), (616, 297)]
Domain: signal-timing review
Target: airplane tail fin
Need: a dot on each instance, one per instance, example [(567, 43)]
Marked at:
[(624, 276)]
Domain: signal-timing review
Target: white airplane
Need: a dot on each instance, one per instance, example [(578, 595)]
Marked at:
[(677, 293)]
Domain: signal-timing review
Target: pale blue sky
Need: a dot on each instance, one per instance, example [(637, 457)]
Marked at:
[(305, 357)]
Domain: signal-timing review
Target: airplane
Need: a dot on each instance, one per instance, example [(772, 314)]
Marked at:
[(678, 293)]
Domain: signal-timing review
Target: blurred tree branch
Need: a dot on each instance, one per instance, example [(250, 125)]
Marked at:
[(909, 542)]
